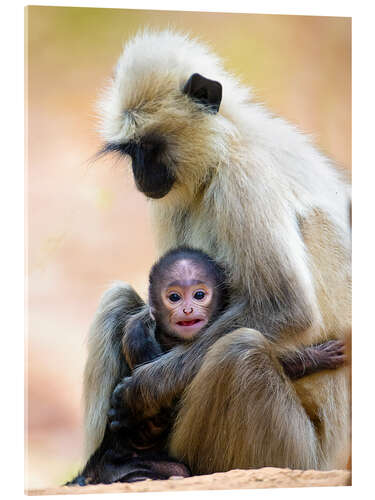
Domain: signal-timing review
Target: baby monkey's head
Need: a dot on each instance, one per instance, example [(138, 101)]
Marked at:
[(187, 290)]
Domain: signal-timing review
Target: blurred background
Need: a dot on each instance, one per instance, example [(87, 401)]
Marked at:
[(86, 223)]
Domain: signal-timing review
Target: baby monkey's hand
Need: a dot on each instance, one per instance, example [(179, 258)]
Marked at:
[(120, 415), (331, 354)]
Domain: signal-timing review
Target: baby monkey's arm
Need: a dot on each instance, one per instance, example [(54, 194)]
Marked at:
[(140, 346)]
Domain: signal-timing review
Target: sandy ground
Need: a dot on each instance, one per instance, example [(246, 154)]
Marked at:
[(267, 477)]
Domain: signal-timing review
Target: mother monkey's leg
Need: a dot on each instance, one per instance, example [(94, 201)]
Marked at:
[(106, 364), (241, 410)]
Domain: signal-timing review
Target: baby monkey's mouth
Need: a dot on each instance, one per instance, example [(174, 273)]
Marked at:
[(189, 323)]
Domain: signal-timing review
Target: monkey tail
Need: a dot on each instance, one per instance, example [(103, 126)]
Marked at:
[(105, 363)]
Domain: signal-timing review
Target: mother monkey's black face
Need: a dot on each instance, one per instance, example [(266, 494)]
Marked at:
[(151, 174)]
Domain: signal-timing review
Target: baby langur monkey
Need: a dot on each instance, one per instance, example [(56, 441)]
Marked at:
[(187, 291)]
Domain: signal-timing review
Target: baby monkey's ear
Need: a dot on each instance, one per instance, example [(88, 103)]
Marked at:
[(205, 91)]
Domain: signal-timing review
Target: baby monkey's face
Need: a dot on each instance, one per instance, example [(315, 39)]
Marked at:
[(188, 300)]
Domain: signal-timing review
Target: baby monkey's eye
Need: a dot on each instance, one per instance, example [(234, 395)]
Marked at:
[(199, 295), (174, 297)]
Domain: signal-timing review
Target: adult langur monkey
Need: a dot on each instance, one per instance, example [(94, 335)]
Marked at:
[(226, 176)]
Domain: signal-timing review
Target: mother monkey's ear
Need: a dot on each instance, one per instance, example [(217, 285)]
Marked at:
[(205, 91)]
